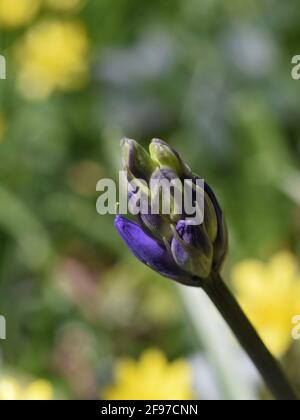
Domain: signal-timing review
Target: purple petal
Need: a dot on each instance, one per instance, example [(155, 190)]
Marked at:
[(193, 235), (180, 254), (146, 249)]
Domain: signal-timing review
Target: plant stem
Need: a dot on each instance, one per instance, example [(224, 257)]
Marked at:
[(266, 364), (218, 346)]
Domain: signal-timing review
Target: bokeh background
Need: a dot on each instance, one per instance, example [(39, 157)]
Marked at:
[(211, 77)]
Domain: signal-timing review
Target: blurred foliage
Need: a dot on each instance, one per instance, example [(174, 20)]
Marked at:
[(213, 79)]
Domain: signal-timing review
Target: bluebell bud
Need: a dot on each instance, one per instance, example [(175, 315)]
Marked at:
[(170, 243)]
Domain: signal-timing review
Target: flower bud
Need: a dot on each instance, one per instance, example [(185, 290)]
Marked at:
[(170, 241), (166, 157), (158, 226), (221, 241), (166, 180), (149, 251), (192, 249), (210, 217), (136, 161)]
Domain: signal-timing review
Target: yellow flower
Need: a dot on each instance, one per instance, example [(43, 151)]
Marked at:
[(151, 378), (53, 56), (270, 296), (64, 5), (16, 13), (11, 389), (38, 390)]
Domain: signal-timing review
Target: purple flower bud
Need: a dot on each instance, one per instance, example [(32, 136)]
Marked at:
[(148, 250), (166, 238)]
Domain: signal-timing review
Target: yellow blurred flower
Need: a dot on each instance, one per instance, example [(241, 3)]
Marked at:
[(53, 56), (16, 13), (38, 390), (151, 378), (270, 296), (11, 389), (64, 5)]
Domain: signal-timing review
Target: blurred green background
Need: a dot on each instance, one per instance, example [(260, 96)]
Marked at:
[(211, 77)]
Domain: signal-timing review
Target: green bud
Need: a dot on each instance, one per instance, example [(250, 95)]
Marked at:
[(135, 160), (210, 219), (166, 157)]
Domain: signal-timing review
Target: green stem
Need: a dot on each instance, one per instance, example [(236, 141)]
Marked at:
[(266, 364)]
